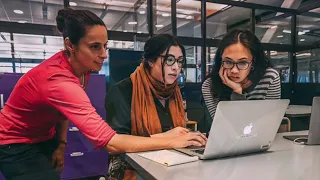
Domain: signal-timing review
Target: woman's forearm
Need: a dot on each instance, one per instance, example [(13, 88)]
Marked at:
[(62, 129), (159, 135), (125, 143)]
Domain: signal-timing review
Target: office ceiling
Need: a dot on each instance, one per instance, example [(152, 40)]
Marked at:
[(118, 14), (130, 16)]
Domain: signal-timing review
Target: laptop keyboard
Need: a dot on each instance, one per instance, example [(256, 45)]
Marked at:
[(199, 151)]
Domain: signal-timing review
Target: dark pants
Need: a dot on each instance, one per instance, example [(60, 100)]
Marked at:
[(28, 161)]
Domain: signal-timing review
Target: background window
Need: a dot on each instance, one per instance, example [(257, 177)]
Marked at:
[(273, 27), (280, 61), (308, 66)]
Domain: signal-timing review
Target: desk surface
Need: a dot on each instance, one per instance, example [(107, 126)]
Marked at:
[(284, 160), (298, 110)]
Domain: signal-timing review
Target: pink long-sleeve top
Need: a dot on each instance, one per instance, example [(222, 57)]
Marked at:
[(44, 96)]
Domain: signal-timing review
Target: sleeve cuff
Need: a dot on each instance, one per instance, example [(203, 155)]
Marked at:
[(238, 97)]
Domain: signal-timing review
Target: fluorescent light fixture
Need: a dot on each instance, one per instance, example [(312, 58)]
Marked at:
[(22, 21), (286, 31), (302, 40), (189, 17), (133, 22), (72, 3), (299, 33), (142, 12), (165, 14), (307, 30), (272, 27), (159, 25), (125, 31), (303, 54), (139, 32), (181, 16), (18, 11), (280, 36), (273, 53)]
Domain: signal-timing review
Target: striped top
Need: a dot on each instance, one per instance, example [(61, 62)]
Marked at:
[(269, 87)]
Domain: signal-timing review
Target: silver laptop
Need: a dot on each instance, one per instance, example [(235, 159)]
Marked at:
[(313, 138), (241, 127)]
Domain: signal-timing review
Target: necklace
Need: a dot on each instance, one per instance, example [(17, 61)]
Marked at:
[(82, 81)]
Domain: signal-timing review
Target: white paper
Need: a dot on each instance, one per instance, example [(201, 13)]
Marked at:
[(168, 158)]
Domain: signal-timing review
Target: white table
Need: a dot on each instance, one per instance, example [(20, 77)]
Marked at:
[(298, 111), (284, 161)]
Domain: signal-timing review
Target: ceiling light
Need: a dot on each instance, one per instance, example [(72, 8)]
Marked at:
[(165, 14), (301, 33), (125, 31), (18, 11), (139, 32), (281, 36), (189, 17), (302, 40), (142, 12), (272, 27), (72, 3), (306, 30), (133, 22), (286, 31), (181, 16), (159, 25), (303, 54), (273, 52), (22, 21)]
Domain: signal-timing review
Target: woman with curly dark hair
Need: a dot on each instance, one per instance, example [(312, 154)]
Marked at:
[(241, 72)]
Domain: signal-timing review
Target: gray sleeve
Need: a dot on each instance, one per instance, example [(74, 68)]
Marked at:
[(211, 102), (274, 90), (238, 97)]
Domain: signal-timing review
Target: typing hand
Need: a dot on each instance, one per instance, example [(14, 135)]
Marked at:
[(189, 139), (177, 131)]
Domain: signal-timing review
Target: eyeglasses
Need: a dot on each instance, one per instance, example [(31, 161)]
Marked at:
[(170, 60), (243, 65)]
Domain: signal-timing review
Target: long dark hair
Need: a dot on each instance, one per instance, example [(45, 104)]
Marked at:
[(260, 61), (156, 45)]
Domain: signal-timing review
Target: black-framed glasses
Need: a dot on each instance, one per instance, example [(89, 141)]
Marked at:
[(170, 60), (243, 65)]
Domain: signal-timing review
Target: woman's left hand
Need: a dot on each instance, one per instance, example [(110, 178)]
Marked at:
[(236, 87), (58, 158)]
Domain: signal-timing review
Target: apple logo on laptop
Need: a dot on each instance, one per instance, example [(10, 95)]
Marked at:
[(247, 129)]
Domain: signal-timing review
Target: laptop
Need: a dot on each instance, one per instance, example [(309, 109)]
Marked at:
[(313, 138), (241, 127)]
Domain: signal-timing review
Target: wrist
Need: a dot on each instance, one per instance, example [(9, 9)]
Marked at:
[(62, 144), (159, 135), (170, 144), (239, 90)]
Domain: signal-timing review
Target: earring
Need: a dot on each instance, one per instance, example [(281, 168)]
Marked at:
[(252, 68)]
